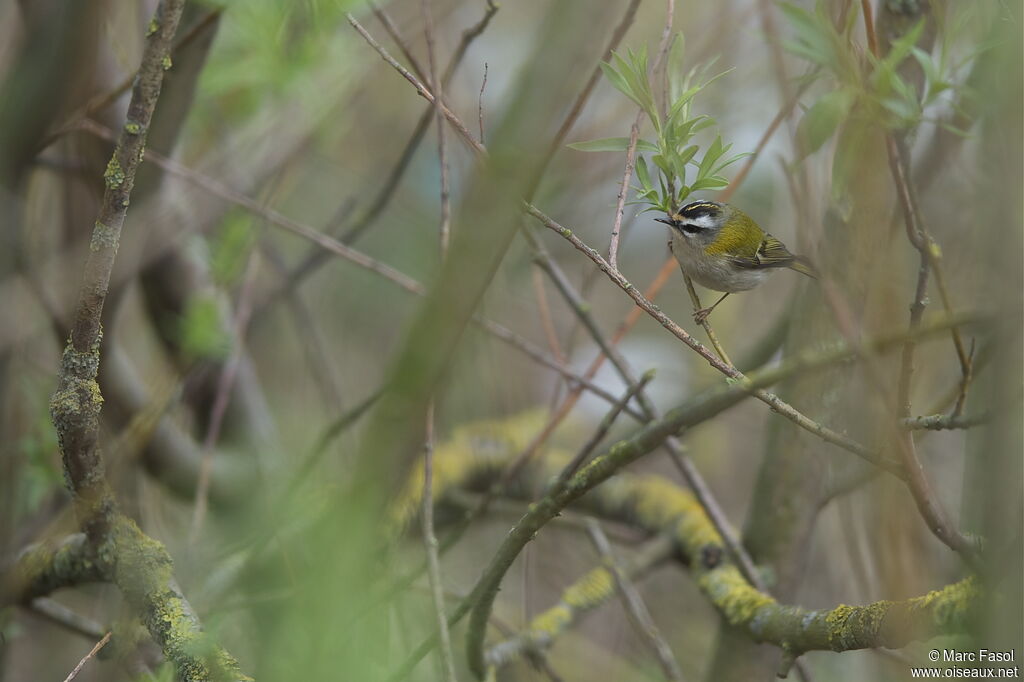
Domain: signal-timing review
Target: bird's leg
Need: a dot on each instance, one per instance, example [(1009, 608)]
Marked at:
[(702, 314)]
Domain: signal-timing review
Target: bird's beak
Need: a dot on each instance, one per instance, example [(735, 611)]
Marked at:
[(667, 222)]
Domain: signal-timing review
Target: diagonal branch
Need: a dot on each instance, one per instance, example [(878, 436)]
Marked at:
[(138, 565)]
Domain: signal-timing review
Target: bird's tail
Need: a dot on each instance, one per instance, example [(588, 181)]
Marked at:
[(803, 266)]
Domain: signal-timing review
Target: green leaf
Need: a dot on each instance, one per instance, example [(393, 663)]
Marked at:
[(643, 175), (688, 153), (714, 151), (704, 122), (732, 159), (611, 144), (715, 182), (902, 46), (819, 123), (617, 81), (815, 41)]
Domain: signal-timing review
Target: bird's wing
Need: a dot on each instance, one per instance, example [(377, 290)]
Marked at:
[(770, 254)]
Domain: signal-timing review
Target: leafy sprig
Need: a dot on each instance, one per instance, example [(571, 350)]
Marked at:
[(865, 86), (676, 168)]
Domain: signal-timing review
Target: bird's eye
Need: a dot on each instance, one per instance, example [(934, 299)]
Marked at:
[(690, 228)]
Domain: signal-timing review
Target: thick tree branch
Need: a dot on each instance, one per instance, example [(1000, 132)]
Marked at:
[(138, 565), (659, 506)]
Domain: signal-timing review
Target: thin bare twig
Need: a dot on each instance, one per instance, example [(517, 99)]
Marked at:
[(427, 515), (421, 89), (602, 429), (480, 104), (773, 401), (581, 99), (634, 136), (712, 337), (81, 664), (547, 324), (689, 471), (941, 422), (530, 641), (627, 175), (57, 613), (392, 31), (634, 603), (430, 542)]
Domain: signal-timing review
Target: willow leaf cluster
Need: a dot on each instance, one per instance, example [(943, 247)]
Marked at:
[(671, 166)]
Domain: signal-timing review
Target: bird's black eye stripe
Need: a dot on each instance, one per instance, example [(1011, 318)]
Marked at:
[(690, 228)]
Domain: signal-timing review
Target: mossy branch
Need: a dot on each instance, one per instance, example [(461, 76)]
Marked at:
[(75, 405), (700, 408), (46, 567), (658, 506), (113, 548)]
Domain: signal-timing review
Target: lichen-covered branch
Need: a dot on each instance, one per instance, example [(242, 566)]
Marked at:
[(591, 590), (113, 548), (141, 569), (659, 506), (702, 407), (46, 567), (75, 405)]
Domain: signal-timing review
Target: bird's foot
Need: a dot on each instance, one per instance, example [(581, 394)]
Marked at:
[(699, 316)]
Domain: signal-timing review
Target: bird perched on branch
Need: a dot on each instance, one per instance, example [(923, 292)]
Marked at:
[(720, 247)]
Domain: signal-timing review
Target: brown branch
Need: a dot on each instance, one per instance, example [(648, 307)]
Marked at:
[(75, 406), (81, 664), (421, 89), (689, 471), (396, 36), (581, 99), (480, 104), (429, 536), (941, 422), (640, 616), (602, 430), (138, 565), (57, 613), (773, 401), (696, 410), (634, 136), (337, 248)]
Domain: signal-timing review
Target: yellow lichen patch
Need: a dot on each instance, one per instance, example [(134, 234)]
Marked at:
[(951, 604), (551, 622), (734, 597), (658, 504), (114, 175), (593, 588), (472, 450), (659, 501), (836, 622)]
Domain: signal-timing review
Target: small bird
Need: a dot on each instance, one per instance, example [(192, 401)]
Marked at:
[(720, 247)]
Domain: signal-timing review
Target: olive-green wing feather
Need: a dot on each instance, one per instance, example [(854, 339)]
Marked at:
[(773, 254)]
